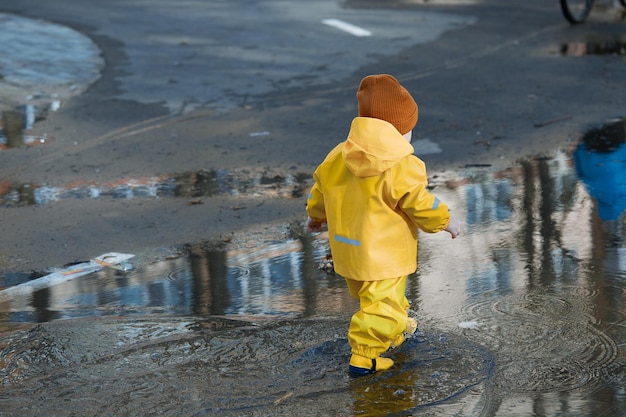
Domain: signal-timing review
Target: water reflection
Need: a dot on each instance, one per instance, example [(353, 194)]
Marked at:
[(280, 279), (601, 164), (13, 124), (540, 274), (195, 184), (542, 277), (608, 47)]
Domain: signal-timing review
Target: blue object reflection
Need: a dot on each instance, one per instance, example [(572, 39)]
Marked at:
[(600, 161)]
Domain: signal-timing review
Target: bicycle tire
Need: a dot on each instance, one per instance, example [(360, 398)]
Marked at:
[(576, 11), (623, 2)]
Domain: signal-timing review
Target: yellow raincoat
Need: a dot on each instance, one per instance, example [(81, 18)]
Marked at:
[(371, 191)]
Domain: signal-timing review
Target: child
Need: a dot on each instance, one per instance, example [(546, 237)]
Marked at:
[(371, 192)]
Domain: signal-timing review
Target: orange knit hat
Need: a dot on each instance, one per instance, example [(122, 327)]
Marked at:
[(381, 96)]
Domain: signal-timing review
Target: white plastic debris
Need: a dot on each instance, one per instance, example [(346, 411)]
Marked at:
[(112, 259)]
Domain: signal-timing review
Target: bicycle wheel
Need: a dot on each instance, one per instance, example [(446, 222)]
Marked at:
[(623, 2), (576, 11)]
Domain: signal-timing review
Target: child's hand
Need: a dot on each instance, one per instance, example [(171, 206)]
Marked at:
[(454, 228), (313, 225)]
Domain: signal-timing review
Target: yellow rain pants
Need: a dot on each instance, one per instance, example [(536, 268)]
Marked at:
[(381, 317)]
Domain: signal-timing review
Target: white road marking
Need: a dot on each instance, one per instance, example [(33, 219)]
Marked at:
[(347, 27)]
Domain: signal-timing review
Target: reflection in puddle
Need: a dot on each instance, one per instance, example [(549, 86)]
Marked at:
[(541, 277), (205, 183), (14, 122), (278, 280), (613, 47), (538, 280), (601, 165), (13, 125), (24, 140)]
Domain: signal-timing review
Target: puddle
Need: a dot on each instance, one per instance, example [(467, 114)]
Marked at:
[(522, 315), (24, 140), (610, 47), (600, 161), (204, 183), (15, 122), (272, 281)]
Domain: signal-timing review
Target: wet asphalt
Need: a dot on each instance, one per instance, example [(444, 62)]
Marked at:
[(126, 91), (244, 95)]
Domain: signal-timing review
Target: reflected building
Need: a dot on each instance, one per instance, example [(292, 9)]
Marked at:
[(540, 273), (279, 279)]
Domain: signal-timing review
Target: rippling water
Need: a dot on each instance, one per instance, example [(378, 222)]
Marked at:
[(523, 315)]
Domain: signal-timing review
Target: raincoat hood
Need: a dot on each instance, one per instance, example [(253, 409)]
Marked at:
[(373, 194), (373, 146)]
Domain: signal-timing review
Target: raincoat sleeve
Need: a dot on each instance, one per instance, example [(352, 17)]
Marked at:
[(315, 203), (409, 194)]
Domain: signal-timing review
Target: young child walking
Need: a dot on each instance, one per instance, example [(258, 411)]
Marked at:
[(372, 193)]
